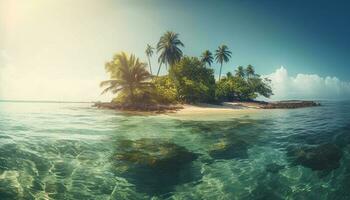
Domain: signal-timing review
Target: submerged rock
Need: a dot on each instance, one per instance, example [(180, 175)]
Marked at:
[(229, 150), (323, 157), (154, 166), (342, 139), (154, 153), (9, 186), (274, 168)]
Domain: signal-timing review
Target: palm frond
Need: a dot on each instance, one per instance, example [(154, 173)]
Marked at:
[(168, 48), (127, 74)]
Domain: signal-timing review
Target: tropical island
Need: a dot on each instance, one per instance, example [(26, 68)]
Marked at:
[(189, 81)]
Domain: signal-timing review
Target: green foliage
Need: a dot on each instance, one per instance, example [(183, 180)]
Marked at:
[(193, 81), (149, 50), (149, 53), (243, 87), (229, 75), (240, 72), (222, 55), (188, 81), (261, 86), (141, 96), (249, 71), (169, 50), (233, 88), (164, 90), (128, 78), (207, 57)]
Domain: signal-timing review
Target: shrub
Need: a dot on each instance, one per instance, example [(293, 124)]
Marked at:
[(164, 90), (242, 88), (194, 82)]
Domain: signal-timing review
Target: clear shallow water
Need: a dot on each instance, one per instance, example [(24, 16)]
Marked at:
[(70, 151)]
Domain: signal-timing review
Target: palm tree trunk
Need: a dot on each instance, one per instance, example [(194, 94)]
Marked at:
[(160, 65), (150, 67), (220, 71), (132, 97)]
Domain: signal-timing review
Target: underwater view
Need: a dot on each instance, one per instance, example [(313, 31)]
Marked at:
[(75, 151)]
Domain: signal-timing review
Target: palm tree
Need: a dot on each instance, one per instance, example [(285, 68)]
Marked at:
[(127, 74), (240, 72), (207, 57), (222, 55), (250, 71), (169, 49), (149, 53)]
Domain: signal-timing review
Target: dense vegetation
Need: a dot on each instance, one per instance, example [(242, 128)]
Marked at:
[(129, 79), (189, 79), (194, 82), (245, 85)]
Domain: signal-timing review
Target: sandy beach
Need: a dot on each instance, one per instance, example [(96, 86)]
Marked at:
[(233, 109), (204, 111), (209, 111)]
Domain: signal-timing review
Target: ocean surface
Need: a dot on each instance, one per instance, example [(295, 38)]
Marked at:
[(74, 151)]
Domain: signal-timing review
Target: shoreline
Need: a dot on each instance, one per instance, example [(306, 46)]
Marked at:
[(189, 110)]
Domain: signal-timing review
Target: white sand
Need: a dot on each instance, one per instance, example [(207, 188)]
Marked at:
[(212, 112)]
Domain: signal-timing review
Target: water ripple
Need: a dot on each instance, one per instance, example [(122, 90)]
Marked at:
[(67, 151)]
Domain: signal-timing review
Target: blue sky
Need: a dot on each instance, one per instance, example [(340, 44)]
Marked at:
[(305, 36), (57, 48)]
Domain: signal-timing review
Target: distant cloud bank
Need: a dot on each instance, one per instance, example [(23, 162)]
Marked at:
[(307, 86)]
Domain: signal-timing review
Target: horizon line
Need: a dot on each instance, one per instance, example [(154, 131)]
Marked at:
[(44, 101)]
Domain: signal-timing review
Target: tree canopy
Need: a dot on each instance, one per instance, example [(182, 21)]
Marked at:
[(168, 48), (189, 79), (128, 77), (149, 53), (245, 85), (207, 57), (194, 82), (222, 54)]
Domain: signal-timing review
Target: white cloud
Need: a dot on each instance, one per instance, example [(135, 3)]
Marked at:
[(307, 86)]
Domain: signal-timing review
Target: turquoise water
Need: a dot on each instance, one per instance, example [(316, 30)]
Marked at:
[(74, 151)]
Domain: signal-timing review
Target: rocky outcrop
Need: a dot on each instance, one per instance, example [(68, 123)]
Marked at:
[(137, 107), (289, 104)]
